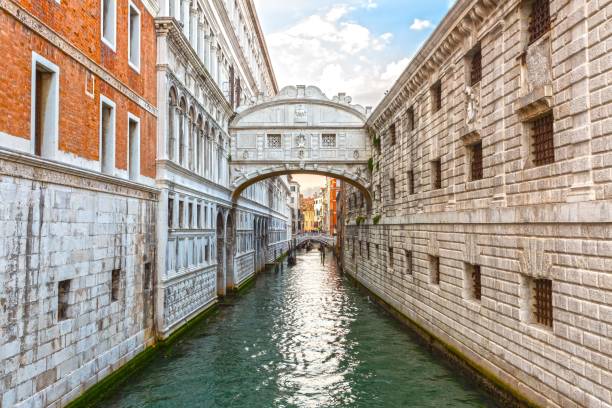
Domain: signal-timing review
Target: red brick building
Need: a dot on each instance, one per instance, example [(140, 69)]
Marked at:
[(78, 122)]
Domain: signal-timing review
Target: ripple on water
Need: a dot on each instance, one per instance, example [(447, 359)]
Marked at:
[(301, 337)]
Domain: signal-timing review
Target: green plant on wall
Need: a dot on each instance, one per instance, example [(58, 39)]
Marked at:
[(376, 219), (360, 220), (371, 164)]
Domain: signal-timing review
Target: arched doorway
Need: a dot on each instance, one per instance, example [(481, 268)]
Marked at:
[(220, 255), (229, 253)]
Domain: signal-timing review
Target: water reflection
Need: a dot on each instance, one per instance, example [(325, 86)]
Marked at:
[(301, 337)]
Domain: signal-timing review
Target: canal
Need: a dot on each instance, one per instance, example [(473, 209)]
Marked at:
[(303, 336)]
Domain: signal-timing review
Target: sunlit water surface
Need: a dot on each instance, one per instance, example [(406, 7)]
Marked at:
[(300, 337)]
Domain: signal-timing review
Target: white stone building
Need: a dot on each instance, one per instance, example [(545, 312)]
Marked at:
[(491, 225), (212, 59)]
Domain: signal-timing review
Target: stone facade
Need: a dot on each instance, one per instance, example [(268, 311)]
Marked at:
[(479, 231), (206, 236)]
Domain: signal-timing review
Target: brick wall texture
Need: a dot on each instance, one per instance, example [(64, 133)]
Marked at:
[(79, 119), (520, 222)]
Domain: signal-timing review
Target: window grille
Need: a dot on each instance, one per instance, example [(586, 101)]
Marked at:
[(476, 67), (411, 182), (409, 262), (274, 141), (477, 287), (434, 265), (476, 165), (391, 257), (539, 20), (436, 96), (63, 289), (392, 133), (115, 281), (392, 189), (543, 302), (411, 124), (328, 140), (436, 174), (543, 143)]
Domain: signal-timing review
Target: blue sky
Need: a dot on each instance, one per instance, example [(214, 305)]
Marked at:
[(355, 46)]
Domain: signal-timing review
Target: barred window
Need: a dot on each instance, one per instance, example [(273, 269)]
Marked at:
[(410, 182), (170, 212), (434, 269), (411, 124), (476, 66), (392, 189), (274, 141), (476, 165), (392, 134), (543, 141), (391, 257), (115, 284), (542, 305), (368, 249), (539, 19), (436, 96), (328, 140), (436, 174), (409, 262), (476, 282), (63, 290)]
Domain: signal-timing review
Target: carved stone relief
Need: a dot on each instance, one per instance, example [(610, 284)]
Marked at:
[(533, 260)]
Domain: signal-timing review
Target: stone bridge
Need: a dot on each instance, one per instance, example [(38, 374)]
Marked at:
[(300, 131), (320, 238)]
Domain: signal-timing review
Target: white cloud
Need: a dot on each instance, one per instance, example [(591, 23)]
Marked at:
[(419, 24), (371, 4), (328, 50)]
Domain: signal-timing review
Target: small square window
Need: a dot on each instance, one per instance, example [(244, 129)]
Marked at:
[(476, 170), (63, 292), (543, 147), (539, 19), (436, 174), (472, 282), (328, 141), (274, 142), (410, 180), (115, 284), (542, 302), (411, 124), (434, 269), (409, 262), (476, 66), (392, 134), (436, 96)]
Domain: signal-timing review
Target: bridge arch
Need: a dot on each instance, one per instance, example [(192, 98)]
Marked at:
[(301, 131)]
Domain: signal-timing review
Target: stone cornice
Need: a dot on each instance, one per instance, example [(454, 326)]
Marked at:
[(152, 7), (177, 169), (299, 101), (463, 19), (44, 31), (262, 43), (168, 26), (22, 165)]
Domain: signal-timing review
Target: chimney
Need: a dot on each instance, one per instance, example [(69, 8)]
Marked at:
[(301, 91), (368, 110)]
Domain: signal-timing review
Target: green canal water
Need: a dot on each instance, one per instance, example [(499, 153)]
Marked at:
[(301, 336)]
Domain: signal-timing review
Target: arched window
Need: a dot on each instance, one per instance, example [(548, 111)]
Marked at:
[(172, 110), (182, 112)]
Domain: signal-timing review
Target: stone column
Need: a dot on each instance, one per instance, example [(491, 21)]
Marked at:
[(185, 11)]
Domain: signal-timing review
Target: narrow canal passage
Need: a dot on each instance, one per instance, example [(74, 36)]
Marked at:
[(300, 337)]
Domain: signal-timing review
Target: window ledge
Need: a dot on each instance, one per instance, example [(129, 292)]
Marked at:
[(535, 103)]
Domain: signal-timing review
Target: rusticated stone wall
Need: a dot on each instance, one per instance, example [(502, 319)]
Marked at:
[(59, 224), (520, 221)]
